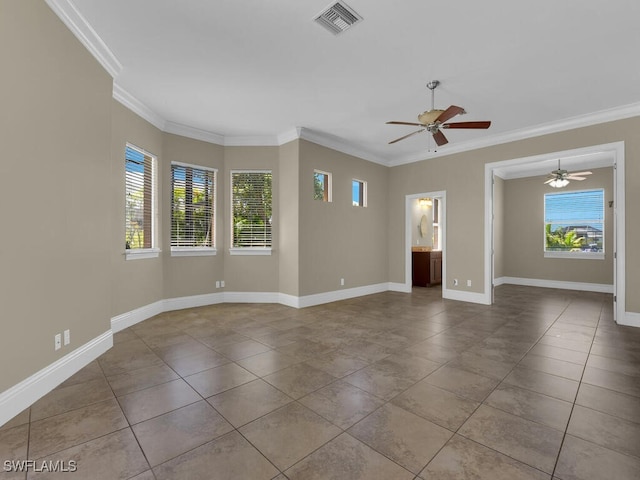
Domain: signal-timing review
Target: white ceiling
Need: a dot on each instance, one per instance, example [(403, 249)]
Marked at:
[(252, 71)]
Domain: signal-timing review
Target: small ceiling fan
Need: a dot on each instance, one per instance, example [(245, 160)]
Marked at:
[(432, 121), (560, 178)]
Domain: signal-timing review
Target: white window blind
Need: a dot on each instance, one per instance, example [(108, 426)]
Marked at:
[(574, 221), (192, 207), (139, 201), (251, 200)]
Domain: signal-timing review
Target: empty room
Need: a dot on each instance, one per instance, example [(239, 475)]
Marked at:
[(319, 240)]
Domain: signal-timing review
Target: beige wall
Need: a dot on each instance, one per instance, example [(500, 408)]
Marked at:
[(185, 276), (338, 240), (524, 227), (55, 105), (289, 219), (462, 176), (134, 283), (462, 179)]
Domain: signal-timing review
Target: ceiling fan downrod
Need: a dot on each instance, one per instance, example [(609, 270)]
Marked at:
[(432, 86)]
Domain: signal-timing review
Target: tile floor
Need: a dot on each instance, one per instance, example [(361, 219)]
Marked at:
[(541, 385)]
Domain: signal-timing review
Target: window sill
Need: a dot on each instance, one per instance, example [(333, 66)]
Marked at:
[(193, 252), (250, 251), (139, 254), (576, 255)]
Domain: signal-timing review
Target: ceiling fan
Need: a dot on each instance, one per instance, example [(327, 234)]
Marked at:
[(432, 121), (560, 178)]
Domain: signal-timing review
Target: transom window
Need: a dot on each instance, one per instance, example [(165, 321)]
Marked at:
[(359, 193), (192, 209), (322, 186), (574, 224), (251, 204), (140, 203)]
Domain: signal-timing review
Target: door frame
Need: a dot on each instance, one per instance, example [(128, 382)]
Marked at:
[(613, 155), (442, 220)]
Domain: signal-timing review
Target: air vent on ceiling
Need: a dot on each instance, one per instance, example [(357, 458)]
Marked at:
[(338, 17)]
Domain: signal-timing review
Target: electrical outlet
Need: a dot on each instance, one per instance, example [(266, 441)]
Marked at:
[(67, 337), (57, 341), (222, 283), (217, 283), (455, 282), (342, 282), (468, 283)]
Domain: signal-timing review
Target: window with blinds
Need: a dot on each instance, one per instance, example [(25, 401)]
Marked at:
[(574, 222), (139, 199), (192, 207), (251, 204)]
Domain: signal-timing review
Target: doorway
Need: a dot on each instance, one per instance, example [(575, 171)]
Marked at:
[(425, 227), (608, 155)]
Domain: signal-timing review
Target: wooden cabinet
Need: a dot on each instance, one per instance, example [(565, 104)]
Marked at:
[(426, 268)]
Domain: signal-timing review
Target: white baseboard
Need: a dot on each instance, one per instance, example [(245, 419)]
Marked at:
[(631, 319), (128, 319), (251, 297), (27, 392), (534, 282), (337, 295), (462, 296), (399, 287), (180, 303)]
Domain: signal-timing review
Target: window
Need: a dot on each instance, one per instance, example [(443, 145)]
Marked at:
[(140, 206), (321, 186), (359, 193), (574, 224), (251, 204), (192, 210)]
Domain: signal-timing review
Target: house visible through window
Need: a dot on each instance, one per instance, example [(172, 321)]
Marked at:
[(140, 210), (359, 193), (251, 203), (192, 208), (574, 224), (321, 186)]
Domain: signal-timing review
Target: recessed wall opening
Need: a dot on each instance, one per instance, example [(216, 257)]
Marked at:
[(518, 180)]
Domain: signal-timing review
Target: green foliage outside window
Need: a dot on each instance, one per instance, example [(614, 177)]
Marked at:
[(252, 208)]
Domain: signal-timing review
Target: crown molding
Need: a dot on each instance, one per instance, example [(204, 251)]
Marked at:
[(341, 145), (195, 133), (289, 135), (75, 21), (580, 121), (344, 146), (136, 106), (251, 141)]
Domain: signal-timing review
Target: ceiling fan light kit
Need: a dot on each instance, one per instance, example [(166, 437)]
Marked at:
[(433, 121), (560, 178), (559, 182)]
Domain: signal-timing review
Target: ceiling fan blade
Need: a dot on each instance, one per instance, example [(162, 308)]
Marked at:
[(550, 180), (450, 112), (486, 124), (440, 138), (405, 123), (572, 177), (580, 174), (402, 138)]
